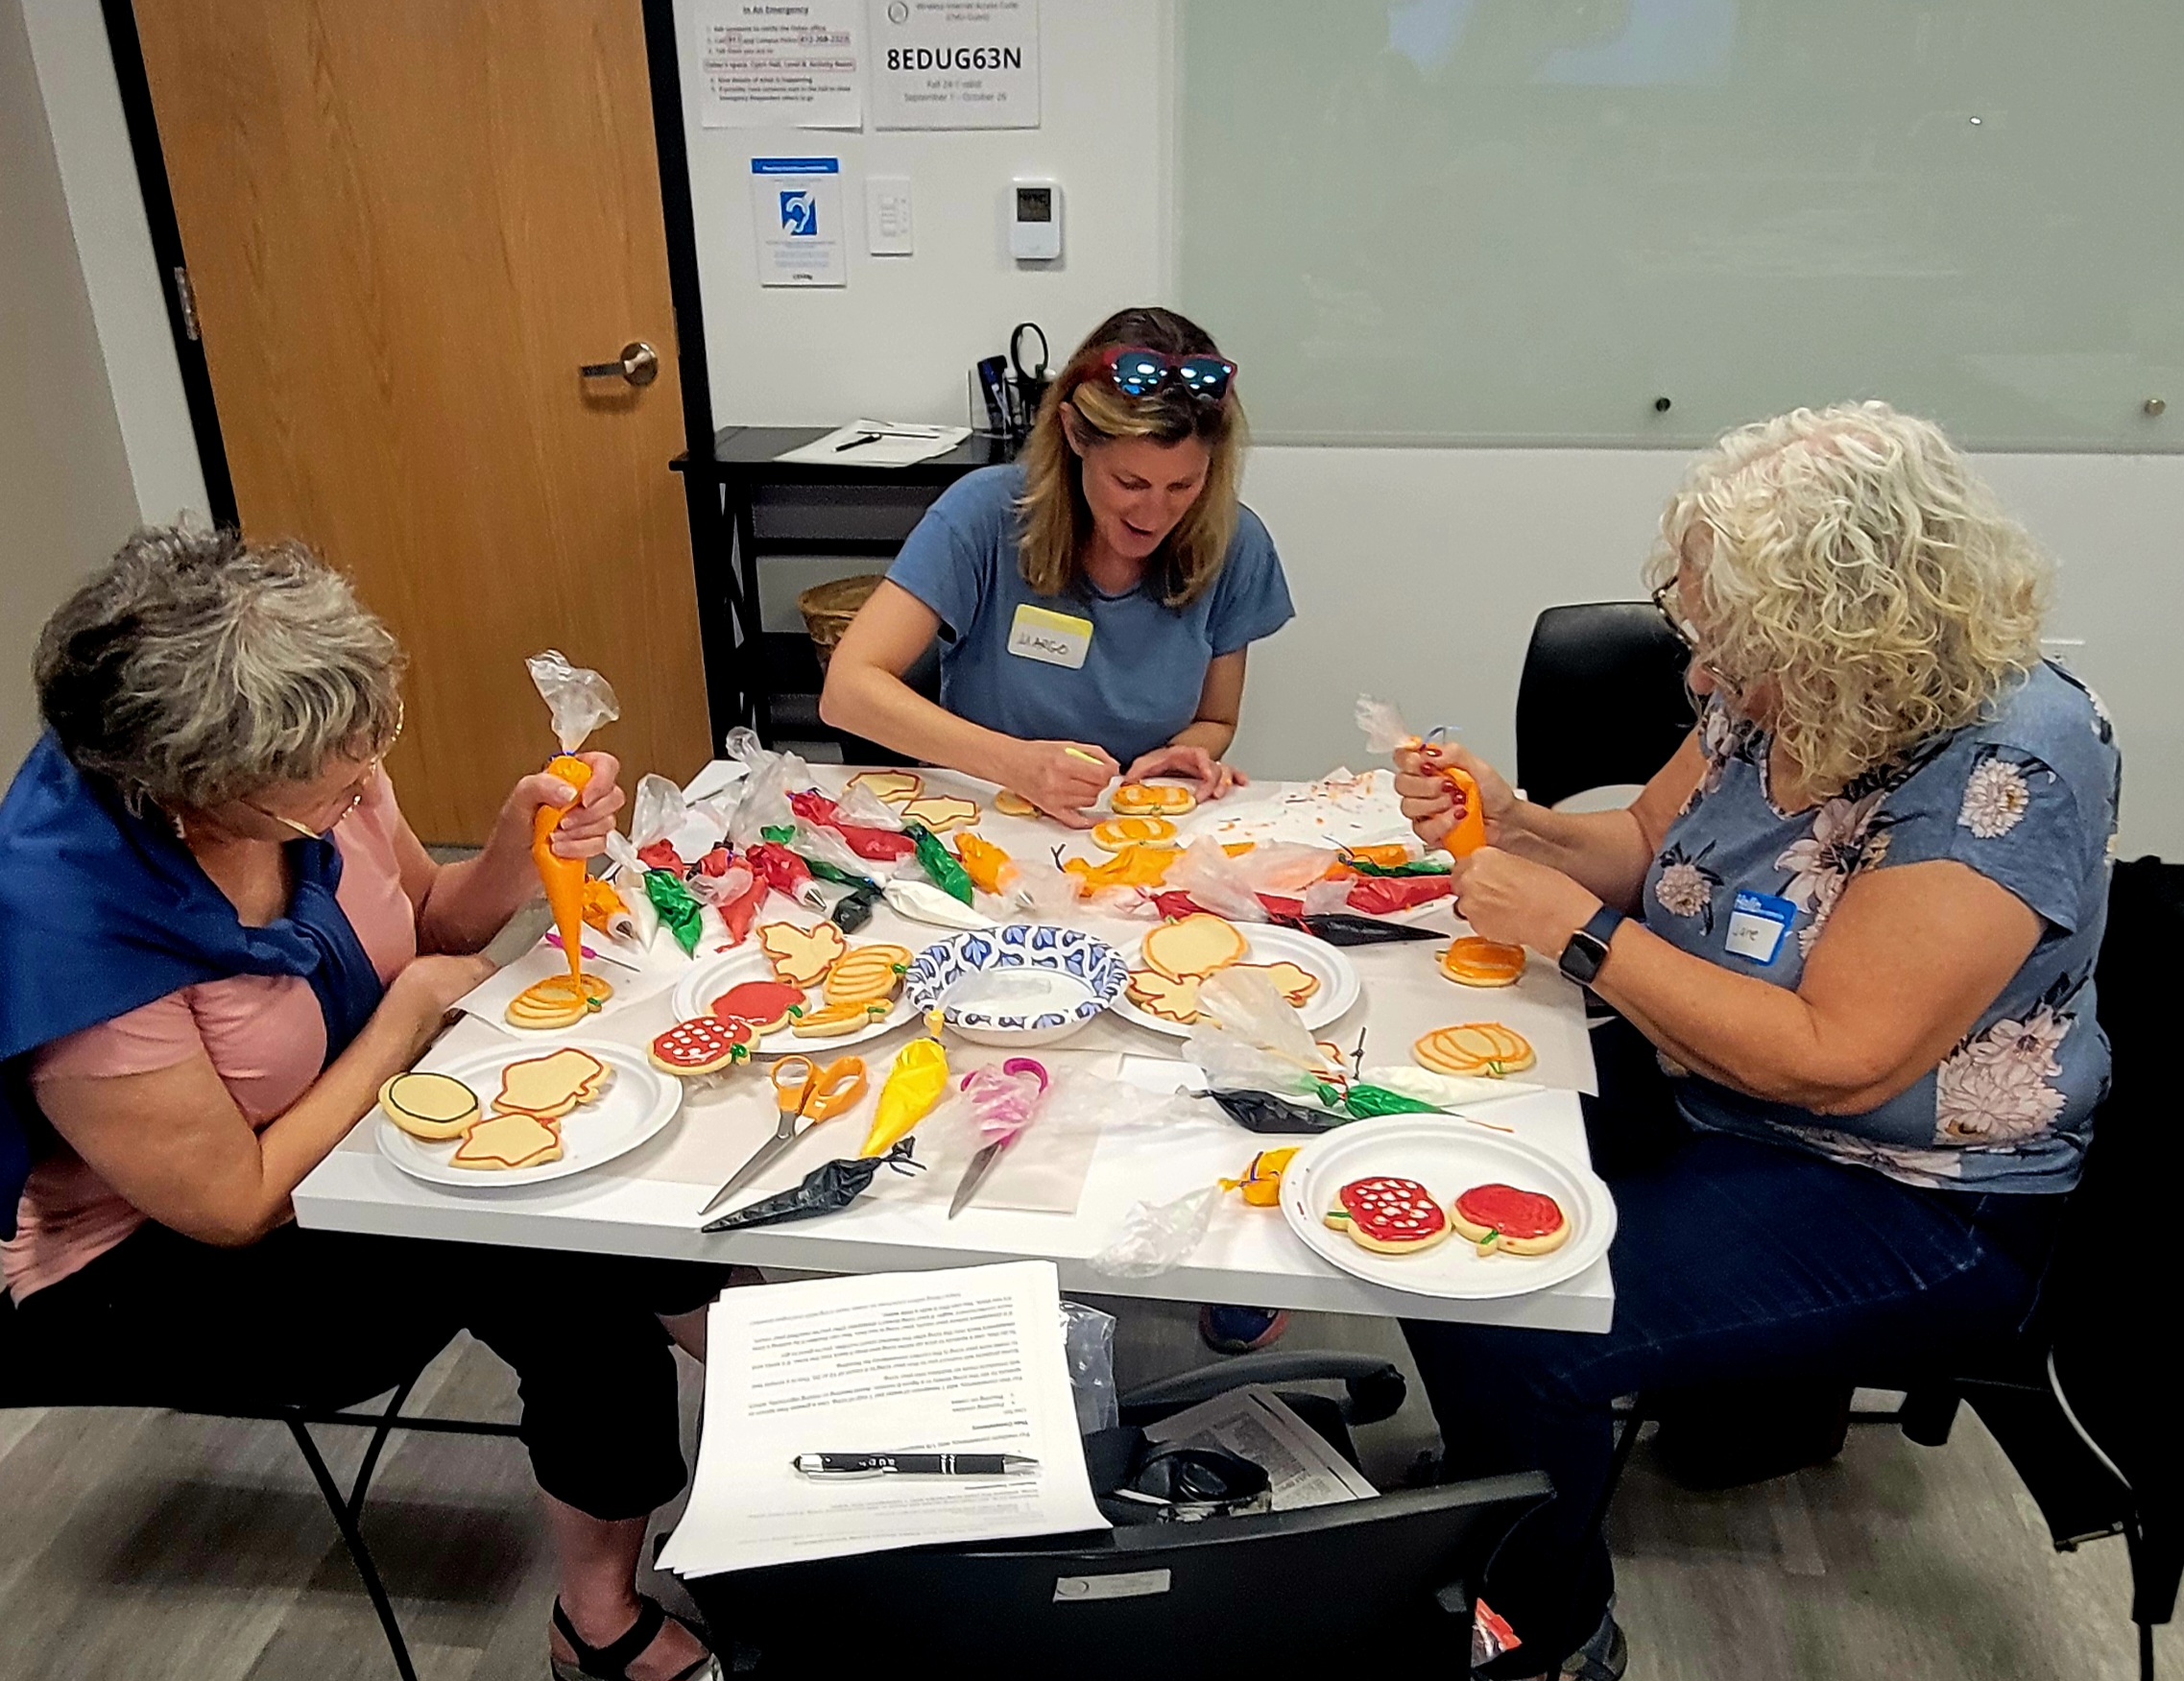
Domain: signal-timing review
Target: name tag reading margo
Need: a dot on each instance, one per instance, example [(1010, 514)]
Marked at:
[(1757, 925), (1053, 639)]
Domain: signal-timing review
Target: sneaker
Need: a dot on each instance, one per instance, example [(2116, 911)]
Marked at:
[(1240, 1331)]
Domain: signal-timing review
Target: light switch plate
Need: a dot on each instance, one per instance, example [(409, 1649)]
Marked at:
[(888, 231)]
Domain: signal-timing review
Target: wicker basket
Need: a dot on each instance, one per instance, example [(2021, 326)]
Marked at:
[(828, 608)]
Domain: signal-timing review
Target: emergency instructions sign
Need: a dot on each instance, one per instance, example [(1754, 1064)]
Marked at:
[(954, 63)]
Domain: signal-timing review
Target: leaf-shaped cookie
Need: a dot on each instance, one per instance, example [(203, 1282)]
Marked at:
[(802, 956)]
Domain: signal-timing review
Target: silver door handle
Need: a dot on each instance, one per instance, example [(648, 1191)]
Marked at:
[(639, 365)]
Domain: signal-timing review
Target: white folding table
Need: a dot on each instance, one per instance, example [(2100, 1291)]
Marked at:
[(646, 1203)]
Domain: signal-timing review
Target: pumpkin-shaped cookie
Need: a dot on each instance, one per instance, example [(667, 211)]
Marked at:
[(1473, 1047), (1151, 800), (1476, 962), (560, 1001), (1118, 832), (867, 974)]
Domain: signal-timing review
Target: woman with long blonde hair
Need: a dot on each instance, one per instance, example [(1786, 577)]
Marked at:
[(1855, 920), (1095, 599)]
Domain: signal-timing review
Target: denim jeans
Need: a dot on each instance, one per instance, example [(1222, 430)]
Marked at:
[(1737, 1261)]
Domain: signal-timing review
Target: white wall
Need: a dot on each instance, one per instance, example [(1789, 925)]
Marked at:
[(898, 340), (65, 497), (106, 210)]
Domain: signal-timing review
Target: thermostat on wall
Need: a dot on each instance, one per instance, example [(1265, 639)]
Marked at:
[(1035, 221)]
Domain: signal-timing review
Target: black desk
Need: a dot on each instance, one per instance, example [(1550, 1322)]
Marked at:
[(745, 506)]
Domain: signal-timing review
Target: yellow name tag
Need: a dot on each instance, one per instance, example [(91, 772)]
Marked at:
[(1053, 639)]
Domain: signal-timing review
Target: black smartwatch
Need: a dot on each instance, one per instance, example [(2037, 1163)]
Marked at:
[(1588, 946)]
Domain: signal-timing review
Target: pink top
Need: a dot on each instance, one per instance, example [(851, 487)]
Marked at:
[(263, 1034)]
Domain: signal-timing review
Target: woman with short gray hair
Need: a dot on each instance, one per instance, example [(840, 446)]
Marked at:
[(220, 937)]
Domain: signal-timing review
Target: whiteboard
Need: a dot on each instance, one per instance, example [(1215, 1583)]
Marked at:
[(1539, 221)]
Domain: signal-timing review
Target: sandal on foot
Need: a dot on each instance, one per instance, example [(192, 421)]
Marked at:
[(612, 1662)]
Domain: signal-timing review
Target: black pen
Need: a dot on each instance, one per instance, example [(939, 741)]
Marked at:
[(866, 438), (914, 1464)]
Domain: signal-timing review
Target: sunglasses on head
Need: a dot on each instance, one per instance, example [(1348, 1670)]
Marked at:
[(1138, 372)]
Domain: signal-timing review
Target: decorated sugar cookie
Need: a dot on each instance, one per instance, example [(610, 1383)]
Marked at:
[(1389, 1216), (1163, 995), (867, 974), (1501, 1220), (1118, 832), (767, 1005), (1476, 962), (1474, 1047), (430, 1106), (509, 1140), (1296, 984), (1152, 800), (892, 786), (548, 1087), (940, 812), (802, 956), (703, 1044), (1194, 947), (834, 1020), (560, 1001), (1011, 803)]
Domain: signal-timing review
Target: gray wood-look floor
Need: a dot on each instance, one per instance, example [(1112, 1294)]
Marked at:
[(151, 1545)]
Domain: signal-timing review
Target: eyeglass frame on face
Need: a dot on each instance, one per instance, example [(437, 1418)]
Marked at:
[(359, 785), (1687, 633)]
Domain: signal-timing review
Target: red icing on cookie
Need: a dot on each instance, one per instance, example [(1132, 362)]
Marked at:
[(1510, 1212), (757, 1001), (700, 1042), (1392, 1210)]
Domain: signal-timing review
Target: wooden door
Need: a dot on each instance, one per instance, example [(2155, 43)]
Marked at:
[(407, 224)]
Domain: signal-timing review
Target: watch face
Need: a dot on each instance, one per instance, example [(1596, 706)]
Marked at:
[(1582, 957)]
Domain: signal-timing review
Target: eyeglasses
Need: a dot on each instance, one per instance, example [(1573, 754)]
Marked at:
[(1667, 604), (1139, 373), (357, 788)]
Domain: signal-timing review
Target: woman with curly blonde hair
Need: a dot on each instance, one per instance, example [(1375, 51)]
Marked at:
[(1095, 599), (1857, 916)]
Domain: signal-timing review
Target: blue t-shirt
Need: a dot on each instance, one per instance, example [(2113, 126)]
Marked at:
[(2027, 799), (1143, 674)]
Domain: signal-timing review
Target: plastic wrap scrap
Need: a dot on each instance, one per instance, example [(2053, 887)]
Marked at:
[(1156, 1237), (772, 777), (1087, 1340), (1247, 1037), (823, 1190), (866, 809), (578, 700), (879, 845)]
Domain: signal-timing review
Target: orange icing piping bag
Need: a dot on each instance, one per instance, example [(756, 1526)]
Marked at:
[(562, 878)]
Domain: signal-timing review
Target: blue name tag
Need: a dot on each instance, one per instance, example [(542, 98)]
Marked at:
[(1757, 925)]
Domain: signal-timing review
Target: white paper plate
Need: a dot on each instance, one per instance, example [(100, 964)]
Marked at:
[(1339, 987), (636, 1103), (710, 976), (1448, 1157)]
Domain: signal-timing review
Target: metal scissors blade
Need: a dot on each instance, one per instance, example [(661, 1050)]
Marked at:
[(981, 1165)]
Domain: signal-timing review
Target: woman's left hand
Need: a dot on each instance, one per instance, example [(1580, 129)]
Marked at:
[(1521, 903), (1213, 777), (587, 822)]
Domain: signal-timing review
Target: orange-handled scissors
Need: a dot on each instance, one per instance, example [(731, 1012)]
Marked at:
[(803, 1092)]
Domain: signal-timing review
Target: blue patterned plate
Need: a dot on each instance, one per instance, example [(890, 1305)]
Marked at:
[(1021, 984)]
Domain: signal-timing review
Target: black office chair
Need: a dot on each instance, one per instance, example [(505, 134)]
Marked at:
[(1249, 1595), (2071, 1401), (1601, 699), (34, 1377)]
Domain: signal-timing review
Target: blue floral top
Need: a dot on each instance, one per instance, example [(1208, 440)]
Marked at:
[(2027, 798)]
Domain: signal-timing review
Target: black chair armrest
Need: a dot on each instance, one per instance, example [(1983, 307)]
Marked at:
[(1376, 1386)]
